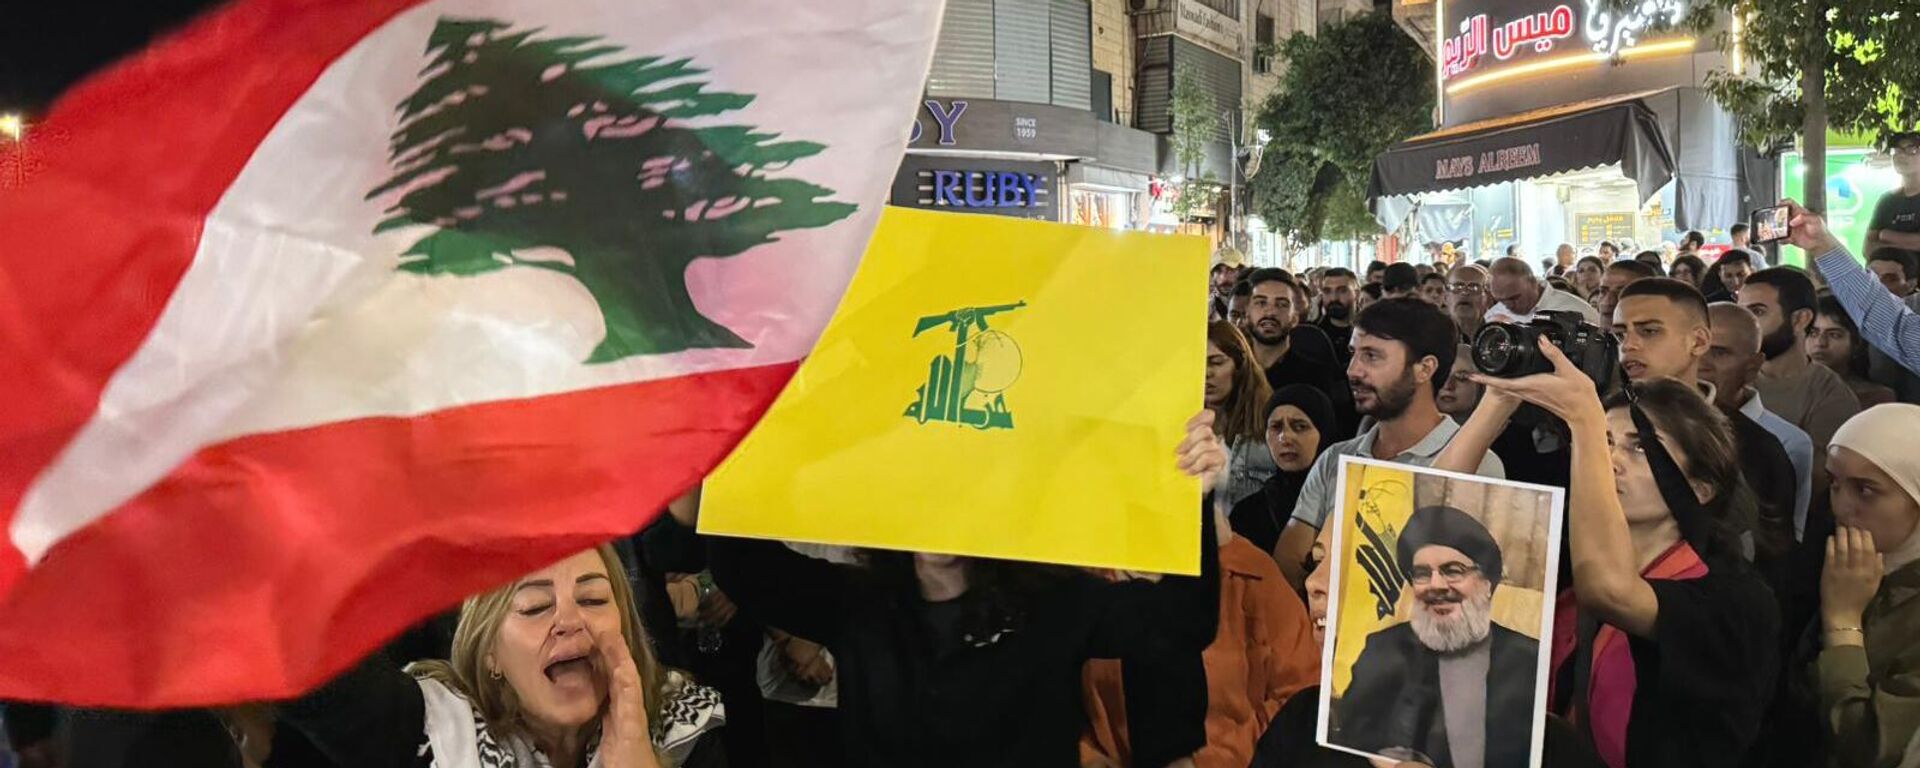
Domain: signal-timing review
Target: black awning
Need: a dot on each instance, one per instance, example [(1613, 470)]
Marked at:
[(1527, 146)]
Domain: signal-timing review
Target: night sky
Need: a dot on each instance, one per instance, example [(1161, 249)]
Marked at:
[(46, 46)]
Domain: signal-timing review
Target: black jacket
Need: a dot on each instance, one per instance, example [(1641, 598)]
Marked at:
[(1394, 699), (920, 688)]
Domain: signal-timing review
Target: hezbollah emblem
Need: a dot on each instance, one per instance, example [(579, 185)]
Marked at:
[(967, 387)]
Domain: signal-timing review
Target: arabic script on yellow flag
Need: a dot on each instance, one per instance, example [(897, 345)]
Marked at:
[(991, 387)]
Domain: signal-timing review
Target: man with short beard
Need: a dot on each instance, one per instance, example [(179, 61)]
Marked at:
[(1403, 351), (1339, 289), (1809, 395), (1270, 327), (1449, 688)]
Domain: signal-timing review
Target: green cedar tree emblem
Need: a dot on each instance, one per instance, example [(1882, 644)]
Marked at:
[(983, 365), (515, 141)]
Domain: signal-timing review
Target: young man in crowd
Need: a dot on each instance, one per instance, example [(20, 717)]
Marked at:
[(1692, 241), (1618, 275), (1242, 295), (1810, 395), (1270, 326), (1521, 295), (1739, 236), (1664, 331), (1400, 280), (1433, 289), (1376, 271), (1896, 218), (1898, 270), (1608, 251), (1369, 293), (1339, 294), (1734, 268), (1403, 351), (1468, 298)]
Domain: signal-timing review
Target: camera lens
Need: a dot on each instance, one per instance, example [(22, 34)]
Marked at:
[(1494, 349)]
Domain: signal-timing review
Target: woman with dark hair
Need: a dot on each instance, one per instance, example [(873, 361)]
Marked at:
[(961, 661), (1586, 276), (1299, 425), (1688, 267), (1235, 390), (1835, 343), (1664, 648)]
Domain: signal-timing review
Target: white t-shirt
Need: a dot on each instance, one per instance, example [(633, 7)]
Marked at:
[(1550, 299)]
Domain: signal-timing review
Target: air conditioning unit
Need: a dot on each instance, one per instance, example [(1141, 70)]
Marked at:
[(1147, 6)]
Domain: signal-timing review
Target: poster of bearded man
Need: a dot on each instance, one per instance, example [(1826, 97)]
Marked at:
[(1440, 618)]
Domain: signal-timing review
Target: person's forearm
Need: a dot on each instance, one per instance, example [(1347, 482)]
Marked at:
[(1606, 572), (1470, 445)]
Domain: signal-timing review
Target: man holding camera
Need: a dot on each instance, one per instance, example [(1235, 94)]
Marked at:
[(1402, 355)]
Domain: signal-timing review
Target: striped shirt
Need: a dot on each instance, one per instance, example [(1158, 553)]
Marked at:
[(1885, 321)]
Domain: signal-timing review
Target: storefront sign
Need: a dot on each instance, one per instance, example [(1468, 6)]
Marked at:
[(987, 125), (945, 115), (1478, 37), (1595, 228), (978, 185), (1610, 33), (1209, 26), (1501, 160), (984, 189), (1504, 57)]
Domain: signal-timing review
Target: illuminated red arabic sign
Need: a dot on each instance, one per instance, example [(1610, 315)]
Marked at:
[(1479, 37)]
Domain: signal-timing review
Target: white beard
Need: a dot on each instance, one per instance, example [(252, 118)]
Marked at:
[(1454, 633)]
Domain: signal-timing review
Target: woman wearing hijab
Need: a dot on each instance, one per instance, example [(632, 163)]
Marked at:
[(1299, 425), (1664, 650), (1868, 676)]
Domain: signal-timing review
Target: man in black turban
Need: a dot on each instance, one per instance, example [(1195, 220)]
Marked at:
[(1449, 688)]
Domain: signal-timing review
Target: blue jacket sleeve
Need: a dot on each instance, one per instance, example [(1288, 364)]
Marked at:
[(1885, 322)]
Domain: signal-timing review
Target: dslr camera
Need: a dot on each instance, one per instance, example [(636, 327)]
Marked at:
[(1511, 350)]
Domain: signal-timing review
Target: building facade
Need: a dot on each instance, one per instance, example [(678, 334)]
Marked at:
[(1563, 122)]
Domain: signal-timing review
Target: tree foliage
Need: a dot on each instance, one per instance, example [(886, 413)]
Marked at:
[(1349, 93), (1865, 47), (1196, 119), (515, 142)]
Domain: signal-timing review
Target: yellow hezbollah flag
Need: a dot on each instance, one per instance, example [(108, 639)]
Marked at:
[(1378, 500), (990, 387)]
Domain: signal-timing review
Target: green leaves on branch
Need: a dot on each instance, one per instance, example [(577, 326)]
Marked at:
[(1865, 49), (1348, 94)]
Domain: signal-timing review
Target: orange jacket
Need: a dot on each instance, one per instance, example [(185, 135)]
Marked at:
[(1264, 653)]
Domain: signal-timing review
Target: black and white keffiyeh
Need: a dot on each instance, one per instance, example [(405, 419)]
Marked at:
[(457, 737)]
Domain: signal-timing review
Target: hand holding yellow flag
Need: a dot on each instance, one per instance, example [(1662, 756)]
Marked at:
[(990, 387)]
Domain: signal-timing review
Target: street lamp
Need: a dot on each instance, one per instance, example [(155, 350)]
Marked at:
[(13, 126)]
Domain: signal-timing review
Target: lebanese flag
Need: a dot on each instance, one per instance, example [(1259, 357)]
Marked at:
[(319, 316)]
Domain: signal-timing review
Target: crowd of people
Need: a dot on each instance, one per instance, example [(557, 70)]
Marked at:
[(1740, 584)]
